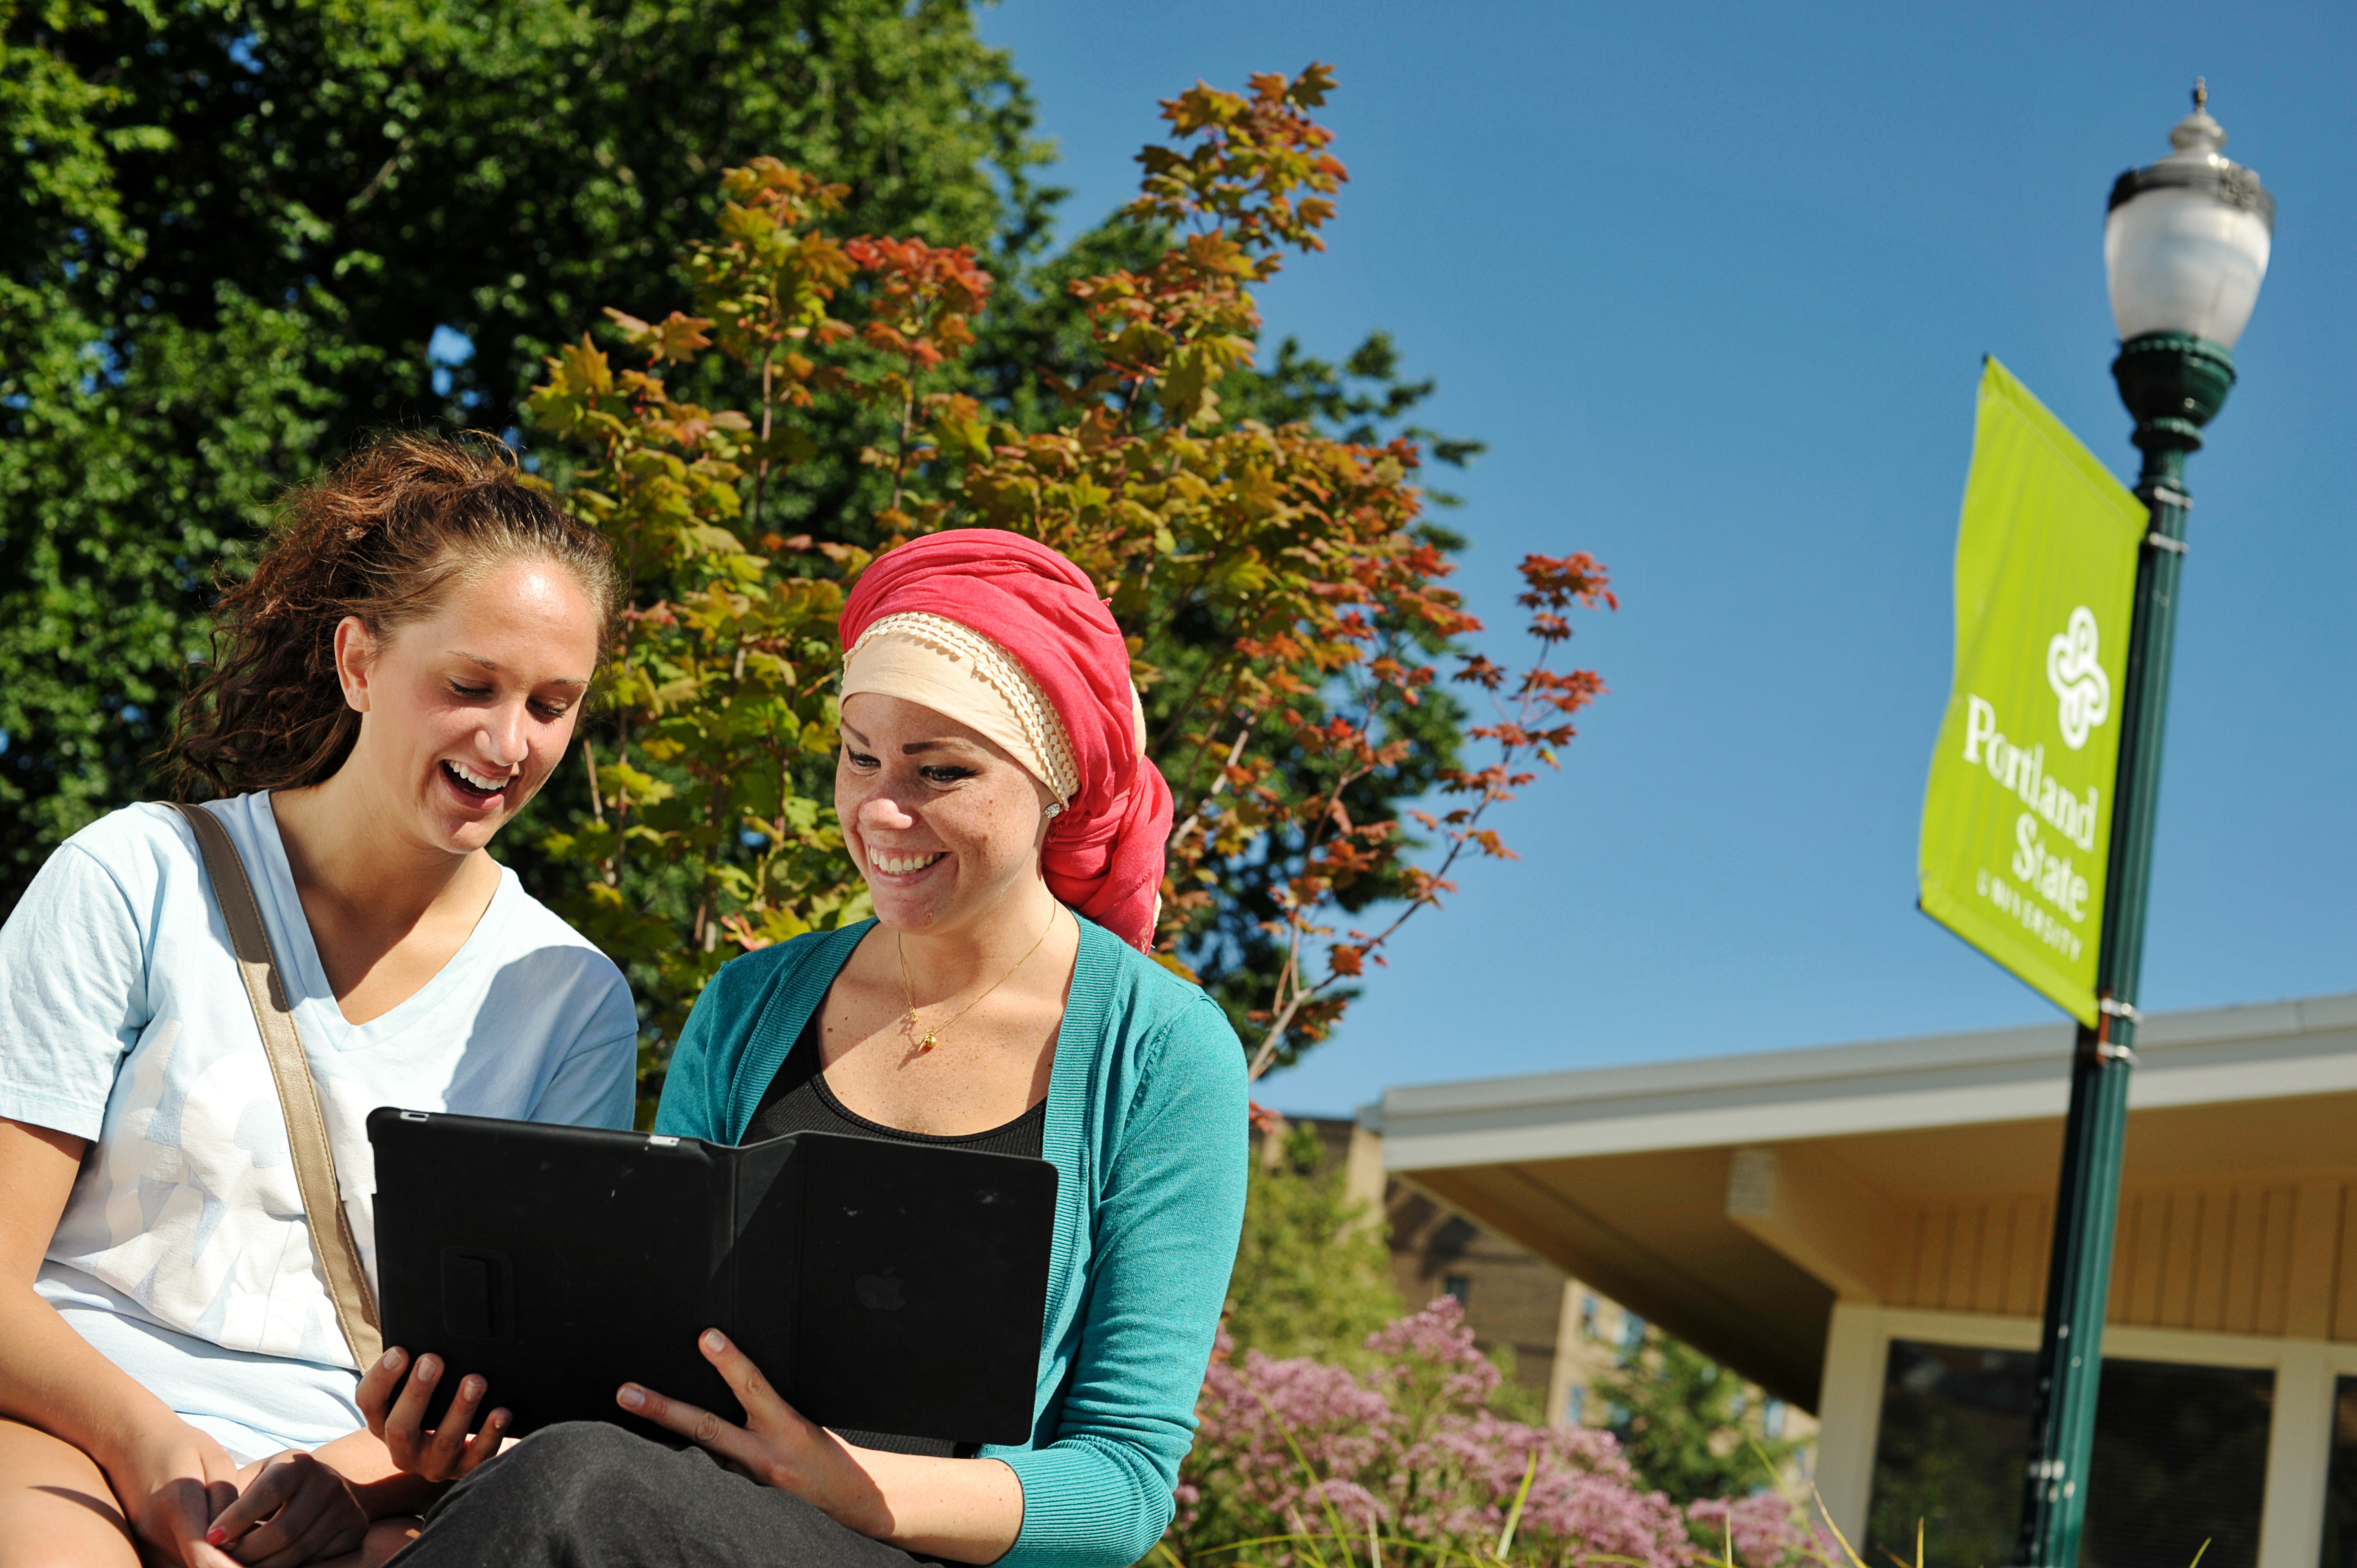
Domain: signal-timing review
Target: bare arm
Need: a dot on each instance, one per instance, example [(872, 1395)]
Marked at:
[(967, 1510), (170, 1478), (49, 1375)]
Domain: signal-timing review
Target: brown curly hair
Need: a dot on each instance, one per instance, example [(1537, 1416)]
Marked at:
[(384, 536)]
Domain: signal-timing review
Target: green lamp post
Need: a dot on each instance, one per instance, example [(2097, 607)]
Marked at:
[(2185, 247)]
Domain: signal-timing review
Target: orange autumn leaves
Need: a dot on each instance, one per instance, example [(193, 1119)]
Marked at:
[(1281, 592)]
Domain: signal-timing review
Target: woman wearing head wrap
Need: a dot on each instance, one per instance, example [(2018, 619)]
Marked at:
[(993, 787)]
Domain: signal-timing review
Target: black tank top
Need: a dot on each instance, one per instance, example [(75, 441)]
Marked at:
[(798, 1101)]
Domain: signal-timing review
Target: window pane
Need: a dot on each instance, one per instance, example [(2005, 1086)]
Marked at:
[(2181, 1459), (2340, 1549), (1955, 1435)]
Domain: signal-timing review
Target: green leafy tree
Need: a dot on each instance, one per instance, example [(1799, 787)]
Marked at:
[(719, 714), (1691, 1428), (232, 228), (241, 225), (1313, 1276), (139, 447)]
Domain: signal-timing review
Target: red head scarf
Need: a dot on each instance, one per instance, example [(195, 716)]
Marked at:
[(1103, 854)]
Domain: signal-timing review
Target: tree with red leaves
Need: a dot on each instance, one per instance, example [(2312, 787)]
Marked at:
[(1284, 595)]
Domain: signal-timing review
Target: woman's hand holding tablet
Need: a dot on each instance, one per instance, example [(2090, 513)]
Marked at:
[(444, 1453), (777, 1447)]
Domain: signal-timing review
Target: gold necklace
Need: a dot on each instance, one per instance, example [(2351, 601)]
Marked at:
[(908, 992)]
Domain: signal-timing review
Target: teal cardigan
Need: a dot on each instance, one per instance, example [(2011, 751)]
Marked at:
[(1146, 1129)]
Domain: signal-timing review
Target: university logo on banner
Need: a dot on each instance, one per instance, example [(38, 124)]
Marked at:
[(2017, 812)]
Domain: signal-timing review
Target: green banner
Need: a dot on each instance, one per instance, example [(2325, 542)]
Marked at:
[(2017, 814)]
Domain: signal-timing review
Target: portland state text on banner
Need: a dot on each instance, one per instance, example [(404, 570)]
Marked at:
[(2016, 814)]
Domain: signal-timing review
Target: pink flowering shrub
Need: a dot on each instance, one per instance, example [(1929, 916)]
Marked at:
[(1765, 1531), (1411, 1451)]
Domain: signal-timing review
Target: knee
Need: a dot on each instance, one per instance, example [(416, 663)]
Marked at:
[(80, 1534), (579, 1468), (89, 1549), (589, 1448), (55, 1510), (555, 1498), (54, 1553)]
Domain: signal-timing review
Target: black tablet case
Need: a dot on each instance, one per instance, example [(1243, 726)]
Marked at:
[(880, 1286)]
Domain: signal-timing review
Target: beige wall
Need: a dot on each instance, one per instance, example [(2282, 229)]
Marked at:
[(2267, 1258)]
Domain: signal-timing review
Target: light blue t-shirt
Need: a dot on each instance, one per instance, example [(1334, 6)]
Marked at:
[(183, 1254)]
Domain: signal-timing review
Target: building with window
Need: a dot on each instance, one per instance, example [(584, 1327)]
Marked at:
[(1863, 1232)]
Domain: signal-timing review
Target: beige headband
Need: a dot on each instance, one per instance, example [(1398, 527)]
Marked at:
[(959, 673)]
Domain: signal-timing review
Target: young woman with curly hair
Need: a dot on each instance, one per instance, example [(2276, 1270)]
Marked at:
[(399, 676)]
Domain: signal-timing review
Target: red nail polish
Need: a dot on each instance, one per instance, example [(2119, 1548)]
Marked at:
[(217, 1536)]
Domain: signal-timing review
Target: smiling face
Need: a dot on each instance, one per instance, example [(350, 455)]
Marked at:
[(945, 826), (464, 713)]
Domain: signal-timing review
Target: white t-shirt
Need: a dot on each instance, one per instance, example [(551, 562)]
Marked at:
[(183, 1254)]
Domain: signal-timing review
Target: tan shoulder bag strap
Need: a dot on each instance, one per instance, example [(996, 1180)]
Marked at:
[(333, 1246)]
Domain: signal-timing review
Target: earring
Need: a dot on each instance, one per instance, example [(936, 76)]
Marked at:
[(1055, 810)]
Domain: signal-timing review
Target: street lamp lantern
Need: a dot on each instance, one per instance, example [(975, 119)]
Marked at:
[(2186, 246), (2186, 243)]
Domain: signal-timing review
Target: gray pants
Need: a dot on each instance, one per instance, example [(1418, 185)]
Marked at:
[(586, 1495)]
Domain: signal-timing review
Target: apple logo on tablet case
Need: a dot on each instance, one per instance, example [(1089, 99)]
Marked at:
[(879, 1292)]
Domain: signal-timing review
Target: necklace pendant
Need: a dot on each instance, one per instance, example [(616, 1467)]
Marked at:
[(927, 1043)]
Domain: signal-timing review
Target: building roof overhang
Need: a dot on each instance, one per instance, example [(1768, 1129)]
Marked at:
[(1734, 1198), (2276, 1050)]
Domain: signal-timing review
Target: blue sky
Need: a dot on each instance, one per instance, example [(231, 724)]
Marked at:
[(1713, 282)]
